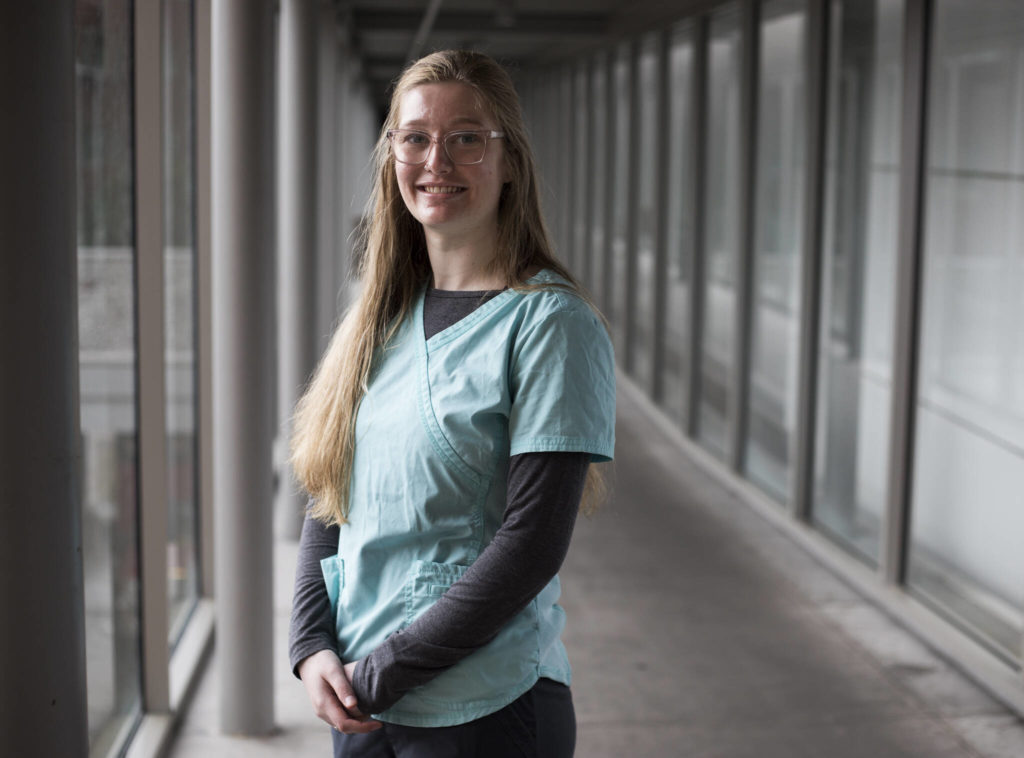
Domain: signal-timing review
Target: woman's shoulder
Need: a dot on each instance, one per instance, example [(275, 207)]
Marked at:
[(546, 293)]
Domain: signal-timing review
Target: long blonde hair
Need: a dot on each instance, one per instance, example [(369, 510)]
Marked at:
[(394, 267)]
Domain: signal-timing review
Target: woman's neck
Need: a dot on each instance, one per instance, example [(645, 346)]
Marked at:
[(465, 264)]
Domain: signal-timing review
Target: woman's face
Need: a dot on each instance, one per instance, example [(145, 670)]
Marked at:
[(456, 201)]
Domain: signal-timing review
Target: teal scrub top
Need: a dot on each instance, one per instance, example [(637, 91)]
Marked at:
[(525, 372)]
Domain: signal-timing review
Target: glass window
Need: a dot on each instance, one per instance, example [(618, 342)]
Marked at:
[(778, 241), (859, 271), (620, 245), (680, 225), (643, 328), (721, 209), (967, 510), (107, 364), (179, 313)]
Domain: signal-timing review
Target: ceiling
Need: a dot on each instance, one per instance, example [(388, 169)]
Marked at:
[(522, 34)]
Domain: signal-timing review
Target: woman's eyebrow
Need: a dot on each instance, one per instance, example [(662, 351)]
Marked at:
[(420, 124)]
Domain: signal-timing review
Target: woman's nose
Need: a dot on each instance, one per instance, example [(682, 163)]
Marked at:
[(438, 161)]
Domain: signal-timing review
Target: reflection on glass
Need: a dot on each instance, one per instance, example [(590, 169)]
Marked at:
[(778, 238), (106, 323), (721, 211), (855, 363), (179, 313), (680, 225), (620, 245), (967, 512)]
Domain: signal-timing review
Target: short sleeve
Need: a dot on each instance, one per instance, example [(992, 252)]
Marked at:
[(563, 386)]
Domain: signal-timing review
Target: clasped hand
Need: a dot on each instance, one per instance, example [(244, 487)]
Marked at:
[(329, 687)]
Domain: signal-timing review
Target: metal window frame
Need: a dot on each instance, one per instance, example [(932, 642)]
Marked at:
[(662, 189), (913, 146), (632, 231), (584, 241), (697, 180), (802, 452), (148, 130), (610, 141), (738, 410)]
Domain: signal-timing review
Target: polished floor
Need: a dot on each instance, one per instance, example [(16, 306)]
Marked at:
[(696, 629)]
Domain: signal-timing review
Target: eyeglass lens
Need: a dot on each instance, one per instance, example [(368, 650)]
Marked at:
[(462, 147)]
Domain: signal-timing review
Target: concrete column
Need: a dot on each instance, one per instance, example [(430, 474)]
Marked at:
[(42, 640), (297, 235), (328, 146), (242, 42)]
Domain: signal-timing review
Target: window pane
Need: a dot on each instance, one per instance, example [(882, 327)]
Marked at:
[(855, 364), (680, 225), (106, 316), (643, 331), (180, 312), (778, 238), (721, 209), (968, 487)]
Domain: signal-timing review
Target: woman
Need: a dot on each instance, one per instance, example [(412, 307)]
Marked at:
[(446, 440)]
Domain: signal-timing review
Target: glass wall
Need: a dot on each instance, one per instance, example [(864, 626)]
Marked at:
[(778, 242), (967, 507), (107, 338), (721, 211), (180, 312), (859, 273), (680, 238), (643, 248)]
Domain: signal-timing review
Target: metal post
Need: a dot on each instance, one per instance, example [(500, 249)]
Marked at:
[(243, 378), (633, 213), (606, 289), (328, 174), (699, 106), (149, 247), (916, 47), (739, 400), (817, 67), (661, 195), (296, 239), (42, 641)]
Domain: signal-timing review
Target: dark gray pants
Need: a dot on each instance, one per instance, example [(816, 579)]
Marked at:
[(540, 724)]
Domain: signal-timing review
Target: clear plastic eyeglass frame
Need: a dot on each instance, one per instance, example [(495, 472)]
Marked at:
[(445, 140)]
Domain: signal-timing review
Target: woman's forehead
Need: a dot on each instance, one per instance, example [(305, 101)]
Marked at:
[(444, 105)]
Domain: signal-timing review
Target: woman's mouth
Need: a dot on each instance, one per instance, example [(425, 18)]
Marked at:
[(436, 189)]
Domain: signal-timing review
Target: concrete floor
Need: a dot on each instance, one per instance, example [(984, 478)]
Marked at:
[(697, 629)]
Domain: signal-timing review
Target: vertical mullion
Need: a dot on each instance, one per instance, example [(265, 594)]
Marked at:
[(584, 258), (750, 47), (698, 172), (148, 123), (631, 236), (565, 163), (917, 34), (817, 62), (203, 319), (610, 181), (661, 195)]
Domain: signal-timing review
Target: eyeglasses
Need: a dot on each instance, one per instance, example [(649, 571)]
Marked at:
[(464, 148)]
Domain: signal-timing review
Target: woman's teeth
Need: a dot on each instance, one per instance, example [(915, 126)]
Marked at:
[(441, 190)]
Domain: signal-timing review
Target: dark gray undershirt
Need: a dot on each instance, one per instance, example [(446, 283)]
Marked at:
[(542, 499)]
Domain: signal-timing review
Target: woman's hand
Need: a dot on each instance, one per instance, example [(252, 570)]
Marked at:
[(330, 692)]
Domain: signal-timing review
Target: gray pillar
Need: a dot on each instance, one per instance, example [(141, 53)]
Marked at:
[(42, 640), (243, 367), (296, 240)]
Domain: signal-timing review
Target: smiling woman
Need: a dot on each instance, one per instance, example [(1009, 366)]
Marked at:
[(446, 441)]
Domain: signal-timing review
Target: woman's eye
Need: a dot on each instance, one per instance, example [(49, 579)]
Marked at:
[(468, 138), (414, 138)]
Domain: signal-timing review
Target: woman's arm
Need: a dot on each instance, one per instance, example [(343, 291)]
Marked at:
[(543, 497), (312, 626)]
